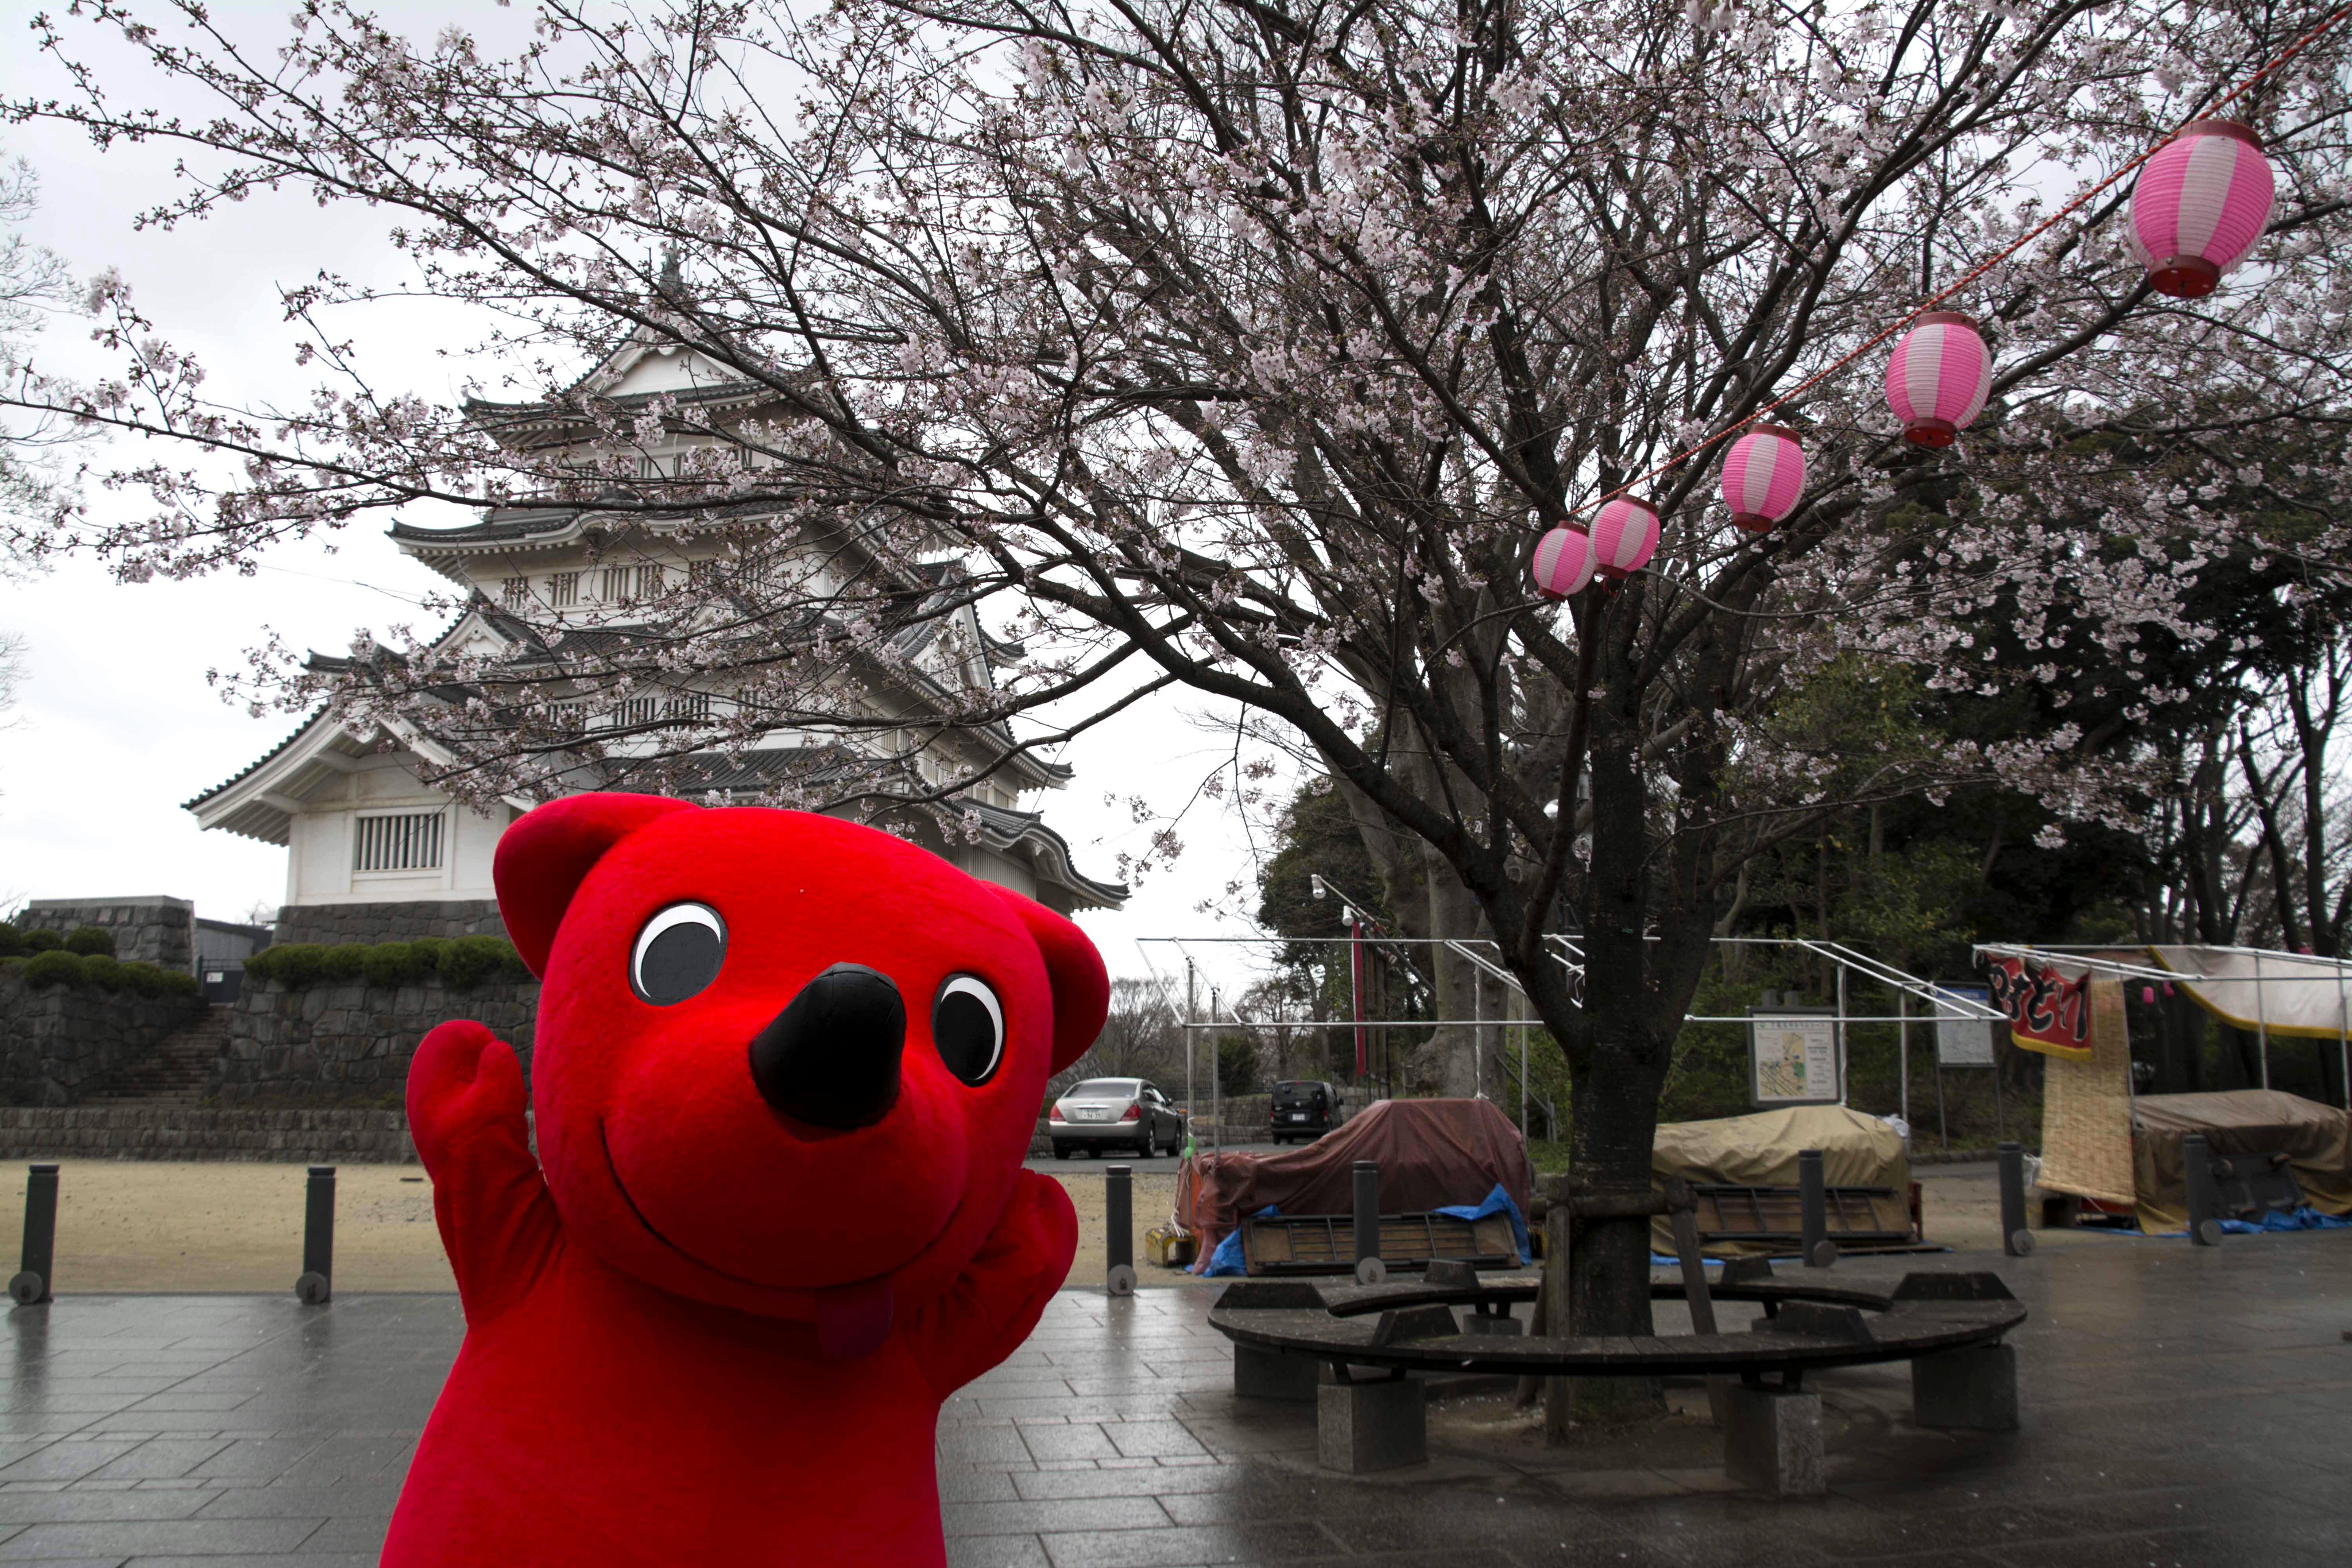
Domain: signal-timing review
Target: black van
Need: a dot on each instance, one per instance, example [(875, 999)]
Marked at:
[(1304, 1109)]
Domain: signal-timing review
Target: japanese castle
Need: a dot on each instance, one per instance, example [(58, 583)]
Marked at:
[(375, 853)]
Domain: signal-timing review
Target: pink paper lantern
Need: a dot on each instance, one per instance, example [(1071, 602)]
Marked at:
[(1763, 475), (1938, 378), (1624, 538), (2200, 206), (1564, 562)]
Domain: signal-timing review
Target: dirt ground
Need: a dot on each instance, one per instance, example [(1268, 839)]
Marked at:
[(140, 1226)]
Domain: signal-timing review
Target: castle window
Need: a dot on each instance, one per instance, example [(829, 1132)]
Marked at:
[(615, 587), (407, 840), (649, 582), (687, 708), (514, 592), (634, 711), (563, 590)]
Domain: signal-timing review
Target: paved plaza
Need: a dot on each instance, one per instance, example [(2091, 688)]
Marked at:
[(2183, 1407)]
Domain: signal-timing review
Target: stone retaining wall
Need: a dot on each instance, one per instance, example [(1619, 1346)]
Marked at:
[(59, 1042), (353, 1041), (333, 923), (205, 1132), (157, 930)]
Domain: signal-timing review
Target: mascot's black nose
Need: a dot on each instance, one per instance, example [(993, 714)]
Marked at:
[(831, 1057)]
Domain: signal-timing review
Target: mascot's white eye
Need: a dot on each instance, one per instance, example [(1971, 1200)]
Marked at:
[(968, 1026), (677, 953)]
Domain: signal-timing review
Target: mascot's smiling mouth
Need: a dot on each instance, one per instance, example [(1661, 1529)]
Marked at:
[(852, 1319)]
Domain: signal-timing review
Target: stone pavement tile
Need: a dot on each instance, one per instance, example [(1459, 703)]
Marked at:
[(980, 1444), (2164, 1549), (160, 1458), (290, 1560), (1178, 1546), (1141, 1479), (66, 1461), (77, 1563), (63, 1506), (260, 1457), (1085, 1441), (1059, 1516), (352, 1457), (370, 1497), (1150, 1440), (218, 1537), (996, 1552), (978, 1486), (351, 1532)]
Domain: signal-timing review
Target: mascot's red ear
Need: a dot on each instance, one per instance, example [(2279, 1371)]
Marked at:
[(546, 854), (1081, 987)]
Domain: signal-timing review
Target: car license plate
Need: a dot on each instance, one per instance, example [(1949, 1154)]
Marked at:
[(1298, 1116), (1093, 1114)]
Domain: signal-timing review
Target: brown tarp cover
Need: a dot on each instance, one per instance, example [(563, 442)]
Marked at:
[(2316, 1138), (1761, 1151), (1432, 1154)]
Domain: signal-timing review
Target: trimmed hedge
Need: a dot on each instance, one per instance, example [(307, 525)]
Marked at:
[(14, 941), (56, 966), (90, 941), (460, 962)]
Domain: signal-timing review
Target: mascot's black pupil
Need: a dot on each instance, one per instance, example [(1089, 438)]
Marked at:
[(966, 1035), (679, 956)]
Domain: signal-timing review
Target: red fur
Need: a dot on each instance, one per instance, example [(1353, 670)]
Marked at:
[(641, 1381)]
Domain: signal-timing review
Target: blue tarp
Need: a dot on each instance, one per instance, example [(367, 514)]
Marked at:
[(1497, 1202), (1227, 1258), (2304, 1218)]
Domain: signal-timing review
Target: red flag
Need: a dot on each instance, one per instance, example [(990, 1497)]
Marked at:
[(2046, 1013)]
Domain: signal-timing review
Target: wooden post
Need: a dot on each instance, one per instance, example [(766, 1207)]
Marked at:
[(1560, 1399)]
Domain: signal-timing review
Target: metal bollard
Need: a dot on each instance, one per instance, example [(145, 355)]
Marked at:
[(1370, 1269), (316, 1287), (2204, 1218), (31, 1285), (1813, 1211), (1118, 1227), (2015, 1239)]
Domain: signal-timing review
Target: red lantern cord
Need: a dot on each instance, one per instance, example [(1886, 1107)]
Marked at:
[(2326, 26)]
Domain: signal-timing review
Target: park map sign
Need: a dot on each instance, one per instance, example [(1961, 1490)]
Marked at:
[(2046, 1013)]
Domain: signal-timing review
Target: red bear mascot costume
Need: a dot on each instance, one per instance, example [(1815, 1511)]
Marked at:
[(787, 1070)]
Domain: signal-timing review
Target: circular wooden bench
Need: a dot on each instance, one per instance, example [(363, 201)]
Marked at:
[(1297, 1340)]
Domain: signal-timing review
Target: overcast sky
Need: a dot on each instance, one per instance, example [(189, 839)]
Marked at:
[(115, 724)]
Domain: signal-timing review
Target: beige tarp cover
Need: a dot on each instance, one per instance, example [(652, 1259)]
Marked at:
[(2317, 1138), (1432, 1154), (2283, 993), (1761, 1151)]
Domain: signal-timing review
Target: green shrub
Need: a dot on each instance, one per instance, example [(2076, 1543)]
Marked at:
[(55, 968), (469, 960), (42, 941), (104, 971), (12, 941), (461, 962), (292, 964), (389, 963), (90, 941), (149, 981)]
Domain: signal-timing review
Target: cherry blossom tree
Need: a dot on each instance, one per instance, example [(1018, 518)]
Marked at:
[(1246, 349)]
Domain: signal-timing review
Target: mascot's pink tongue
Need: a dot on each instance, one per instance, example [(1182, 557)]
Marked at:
[(852, 1321)]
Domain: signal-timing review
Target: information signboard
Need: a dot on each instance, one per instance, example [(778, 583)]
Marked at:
[(1792, 1058), (1962, 1040)]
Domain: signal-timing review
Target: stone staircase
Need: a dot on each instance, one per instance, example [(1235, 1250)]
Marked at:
[(181, 1072)]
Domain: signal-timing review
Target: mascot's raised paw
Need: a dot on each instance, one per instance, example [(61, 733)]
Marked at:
[(786, 1072)]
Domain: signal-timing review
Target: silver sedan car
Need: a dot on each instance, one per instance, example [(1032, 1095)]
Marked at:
[(1115, 1112)]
